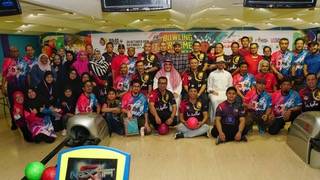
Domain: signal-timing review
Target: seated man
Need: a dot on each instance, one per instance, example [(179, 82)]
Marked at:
[(257, 103), (192, 107), (230, 119), (310, 95), (135, 105), (286, 106), (162, 105), (87, 102)]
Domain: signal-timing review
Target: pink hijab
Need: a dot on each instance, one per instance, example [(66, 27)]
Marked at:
[(175, 78), (81, 65)]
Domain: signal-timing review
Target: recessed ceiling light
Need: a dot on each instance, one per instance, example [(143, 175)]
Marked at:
[(20, 31), (9, 21), (269, 24)]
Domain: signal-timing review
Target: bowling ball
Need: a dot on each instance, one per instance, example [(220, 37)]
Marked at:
[(49, 173), (163, 129), (34, 170), (192, 123)]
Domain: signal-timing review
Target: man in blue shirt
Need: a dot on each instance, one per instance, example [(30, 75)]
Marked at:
[(312, 60)]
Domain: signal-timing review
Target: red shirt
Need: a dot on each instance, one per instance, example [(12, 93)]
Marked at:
[(271, 80), (253, 63), (244, 52), (116, 64)]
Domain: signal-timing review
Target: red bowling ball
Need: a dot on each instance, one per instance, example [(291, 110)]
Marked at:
[(163, 129)]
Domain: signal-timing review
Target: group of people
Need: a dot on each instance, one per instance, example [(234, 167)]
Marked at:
[(230, 92)]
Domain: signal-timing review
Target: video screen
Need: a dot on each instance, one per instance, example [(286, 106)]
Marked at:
[(91, 169)]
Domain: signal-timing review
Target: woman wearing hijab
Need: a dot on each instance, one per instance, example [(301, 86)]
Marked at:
[(41, 128), (58, 70), (73, 81), (18, 115), (82, 63), (67, 65), (38, 70), (174, 80), (47, 89)]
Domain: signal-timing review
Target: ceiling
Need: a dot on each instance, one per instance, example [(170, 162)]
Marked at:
[(73, 16)]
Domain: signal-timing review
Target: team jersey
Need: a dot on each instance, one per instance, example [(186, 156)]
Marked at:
[(193, 110), (253, 63), (149, 61), (86, 104), (244, 82), (233, 62), (201, 57), (132, 65), (162, 103), (271, 80), (259, 102), (298, 61), (230, 113), (282, 61), (310, 99), (194, 79), (280, 102), (138, 105), (145, 80), (122, 83), (313, 63)]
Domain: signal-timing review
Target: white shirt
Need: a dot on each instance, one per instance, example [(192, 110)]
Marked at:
[(177, 90), (219, 80)]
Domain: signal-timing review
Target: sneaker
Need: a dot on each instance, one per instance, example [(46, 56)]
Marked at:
[(178, 135), (64, 132), (218, 140), (244, 139), (14, 127)]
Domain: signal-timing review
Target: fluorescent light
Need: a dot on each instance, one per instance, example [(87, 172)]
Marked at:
[(9, 21)]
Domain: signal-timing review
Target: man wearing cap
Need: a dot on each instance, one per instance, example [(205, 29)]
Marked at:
[(117, 61), (257, 103), (218, 82), (163, 54), (179, 59)]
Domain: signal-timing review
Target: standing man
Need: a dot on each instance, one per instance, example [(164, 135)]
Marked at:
[(201, 57), (244, 50), (150, 60), (163, 54), (179, 59), (234, 59), (132, 61), (29, 57), (281, 60), (312, 60), (253, 59), (299, 55), (109, 54), (218, 82), (117, 61), (230, 120)]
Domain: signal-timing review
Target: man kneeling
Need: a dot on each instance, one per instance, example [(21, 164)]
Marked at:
[(193, 107), (230, 119)]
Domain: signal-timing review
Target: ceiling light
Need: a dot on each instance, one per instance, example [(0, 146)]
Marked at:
[(141, 19), (9, 21), (296, 19), (269, 24), (20, 31)]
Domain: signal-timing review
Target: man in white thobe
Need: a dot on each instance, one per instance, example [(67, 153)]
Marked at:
[(218, 82)]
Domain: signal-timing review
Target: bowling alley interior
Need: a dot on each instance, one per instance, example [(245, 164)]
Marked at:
[(160, 89)]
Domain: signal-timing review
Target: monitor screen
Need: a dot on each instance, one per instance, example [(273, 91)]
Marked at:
[(134, 5), (9, 7), (87, 168)]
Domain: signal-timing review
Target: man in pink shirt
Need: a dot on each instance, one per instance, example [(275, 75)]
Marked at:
[(117, 61)]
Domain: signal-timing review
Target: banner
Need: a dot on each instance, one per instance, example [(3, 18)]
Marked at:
[(137, 39)]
